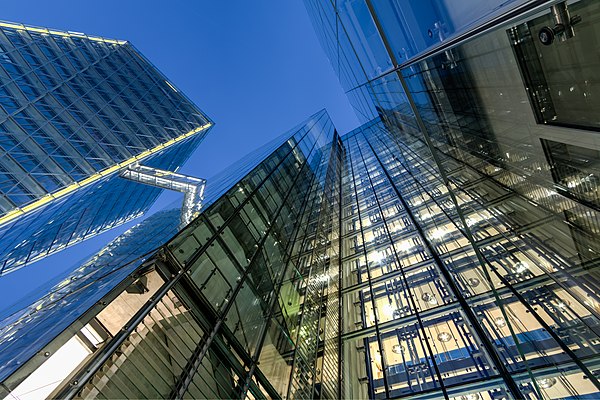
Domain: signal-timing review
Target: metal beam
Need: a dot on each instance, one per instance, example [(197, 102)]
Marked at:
[(191, 187)]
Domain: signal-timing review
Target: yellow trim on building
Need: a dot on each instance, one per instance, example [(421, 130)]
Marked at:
[(171, 86), (59, 33), (76, 185)]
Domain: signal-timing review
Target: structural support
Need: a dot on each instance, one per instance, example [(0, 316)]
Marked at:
[(191, 187)]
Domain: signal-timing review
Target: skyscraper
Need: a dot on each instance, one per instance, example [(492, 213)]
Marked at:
[(447, 248), (76, 111), (478, 97), (503, 102), (338, 267), (273, 178)]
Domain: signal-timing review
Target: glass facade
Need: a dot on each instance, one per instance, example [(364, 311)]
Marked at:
[(449, 301), (447, 248), (490, 150), (336, 268), (74, 111), (265, 189)]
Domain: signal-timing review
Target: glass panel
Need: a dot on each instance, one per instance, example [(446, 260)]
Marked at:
[(555, 54)]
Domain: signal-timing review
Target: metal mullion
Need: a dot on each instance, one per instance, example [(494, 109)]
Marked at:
[(309, 236), (238, 368), (116, 387), (485, 383), (62, 81), (510, 192), (213, 374), (221, 349), (244, 339), (95, 363), (524, 231), (156, 77), (405, 284), (490, 350), (368, 82), (127, 380), (338, 21), (137, 366), (256, 391), (105, 103), (164, 327), (199, 384), (445, 214), (327, 249), (100, 211), (352, 160), (201, 350), (68, 241), (307, 255), (240, 207), (528, 8), (193, 323), (484, 298), (171, 351), (34, 150), (482, 384), (250, 374), (106, 352), (148, 374), (282, 280), (236, 211), (482, 259), (385, 277), (342, 171), (132, 110), (155, 360), (517, 230)]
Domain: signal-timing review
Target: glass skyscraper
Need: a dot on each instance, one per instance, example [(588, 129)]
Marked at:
[(491, 107), (266, 188), (75, 111), (447, 248)]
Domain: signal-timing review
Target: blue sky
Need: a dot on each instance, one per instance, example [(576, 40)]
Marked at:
[(255, 67)]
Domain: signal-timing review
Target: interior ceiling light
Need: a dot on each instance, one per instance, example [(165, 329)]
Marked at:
[(470, 396), (397, 349), (564, 304), (546, 383), (521, 267), (404, 246), (429, 298), (377, 257), (473, 282), (438, 233), (444, 337), (500, 322)]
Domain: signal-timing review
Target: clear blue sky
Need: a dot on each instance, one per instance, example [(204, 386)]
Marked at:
[(254, 66)]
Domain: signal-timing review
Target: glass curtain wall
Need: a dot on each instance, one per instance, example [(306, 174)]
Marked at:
[(74, 110), (433, 309), (496, 113), (446, 249), (214, 314)]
